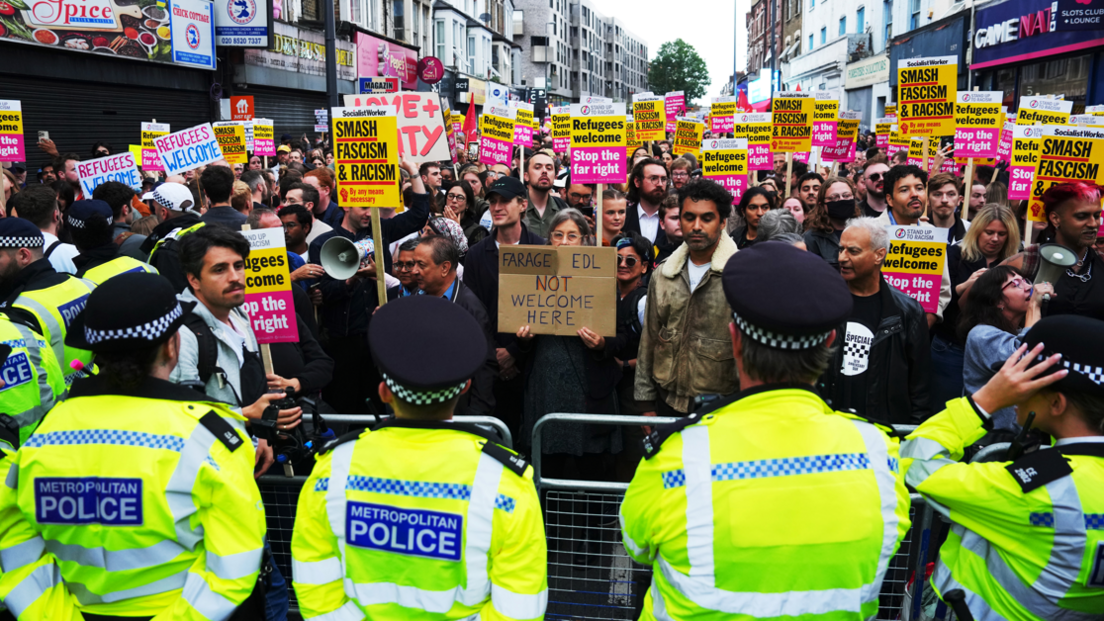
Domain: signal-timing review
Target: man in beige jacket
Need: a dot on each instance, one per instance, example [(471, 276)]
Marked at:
[(686, 348)]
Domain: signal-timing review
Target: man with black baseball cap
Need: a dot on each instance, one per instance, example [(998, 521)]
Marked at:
[(777, 447), (1027, 534), (507, 202), (90, 223), (170, 521), (427, 518)]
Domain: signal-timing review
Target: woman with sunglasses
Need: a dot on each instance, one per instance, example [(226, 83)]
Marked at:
[(572, 374), (1001, 308)]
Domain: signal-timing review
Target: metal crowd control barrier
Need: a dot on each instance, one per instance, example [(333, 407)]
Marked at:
[(591, 577)]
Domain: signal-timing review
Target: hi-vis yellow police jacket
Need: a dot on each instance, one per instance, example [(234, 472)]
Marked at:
[(417, 521), (137, 505), (772, 505), (1027, 540), (54, 308), (33, 380), (119, 265)]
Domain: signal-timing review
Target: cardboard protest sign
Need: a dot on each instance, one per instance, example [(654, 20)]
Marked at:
[(231, 139), (1004, 147), (792, 122), (631, 141), (557, 290), (1067, 154), (978, 123), (264, 138), (120, 167), (1043, 111), (881, 132), (421, 128), (725, 161), (366, 157), (11, 131), (598, 143), (561, 128), (1024, 159), (847, 131), (826, 108), (927, 89), (149, 159), (674, 104), (915, 261), (755, 127), (188, 149), (650, 117), (496, 134), (523, 123), (268, 287), (721, 112), (688, 136)]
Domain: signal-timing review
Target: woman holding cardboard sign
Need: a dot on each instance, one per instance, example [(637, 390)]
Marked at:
[(572, 374)]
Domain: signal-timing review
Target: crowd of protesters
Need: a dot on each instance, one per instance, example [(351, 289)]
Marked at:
[(673, 232)]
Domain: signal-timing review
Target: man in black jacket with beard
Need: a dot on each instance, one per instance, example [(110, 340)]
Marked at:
[(648, 185), (881, 368)]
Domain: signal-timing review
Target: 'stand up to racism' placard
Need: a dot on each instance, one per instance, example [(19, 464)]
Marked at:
[(598, 143), (927, 89), (755, 127), (231, 139), (496, 134), (557, 290), (366, 156), (688, 136), (11, 131), (978, 123), (915, 263), (725, 161), (268, 288)]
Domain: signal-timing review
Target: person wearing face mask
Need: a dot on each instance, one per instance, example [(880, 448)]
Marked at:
[(881, 368), (753, 205), (835, 205)]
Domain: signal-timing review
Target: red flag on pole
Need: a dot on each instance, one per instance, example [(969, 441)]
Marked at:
[(742, 103), (470, 126), (799, 88)]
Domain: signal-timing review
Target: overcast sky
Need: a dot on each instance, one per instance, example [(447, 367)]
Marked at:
[(705, 24)]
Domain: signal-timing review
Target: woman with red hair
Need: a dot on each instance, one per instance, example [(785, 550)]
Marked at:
[(1073, 213)]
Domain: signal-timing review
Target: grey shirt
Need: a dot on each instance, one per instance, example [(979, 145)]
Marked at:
[(987, 348), (230, 354)]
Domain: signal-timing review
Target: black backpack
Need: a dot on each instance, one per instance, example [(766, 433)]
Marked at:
[(253, 382)]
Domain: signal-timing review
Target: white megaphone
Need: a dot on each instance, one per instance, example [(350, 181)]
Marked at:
[(1054, 259), (341, 258)]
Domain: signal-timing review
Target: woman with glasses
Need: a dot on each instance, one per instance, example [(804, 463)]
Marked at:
[(993, 236), (460, 208), (572, 374), (824, 225), (1001, 308)]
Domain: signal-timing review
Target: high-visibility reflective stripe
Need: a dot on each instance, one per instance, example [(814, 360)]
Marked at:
[(375, 593), (1031, 599), (1068, 548), (23, 554), (944, 582), (12, 480), (876, 448), (762, 605), (632, 546), (518, 605), (116, 560), (234, 566), (178, 492), (32, 587), (477, 533), (208, 603), (922, 448), (335, 500), (920, 470), (348, 612), (49, 324), (659, 607), (46, 396), (86, 597), (317, 572), (699, 503)]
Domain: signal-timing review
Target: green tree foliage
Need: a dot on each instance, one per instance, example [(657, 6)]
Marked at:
[(678, 67)]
